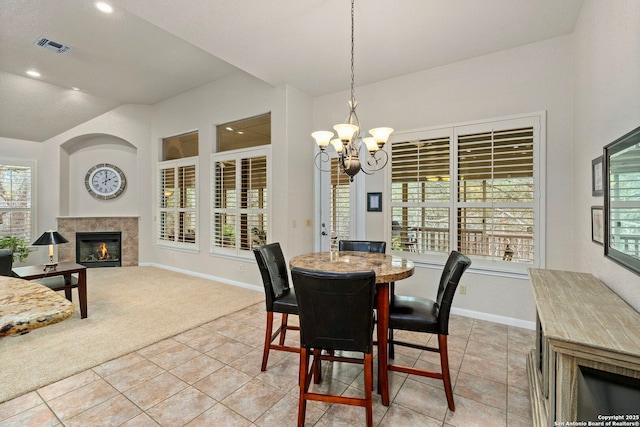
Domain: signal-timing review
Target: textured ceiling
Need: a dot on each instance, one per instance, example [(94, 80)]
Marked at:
[(150, 50)]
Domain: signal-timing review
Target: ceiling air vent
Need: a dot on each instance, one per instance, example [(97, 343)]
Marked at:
[(51, 45)]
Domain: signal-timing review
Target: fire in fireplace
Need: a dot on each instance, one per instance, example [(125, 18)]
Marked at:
[(99, 249)]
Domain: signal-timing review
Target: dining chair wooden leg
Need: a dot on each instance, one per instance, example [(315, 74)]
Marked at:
[(317, 368), (267, 340), (304, 384), (444, 364), (368, 386), (392, 292), (283, 327)]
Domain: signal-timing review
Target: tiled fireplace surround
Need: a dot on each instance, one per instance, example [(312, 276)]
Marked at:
[(128, 225)]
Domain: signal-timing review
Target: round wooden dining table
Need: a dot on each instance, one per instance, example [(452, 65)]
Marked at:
[(388, 268)]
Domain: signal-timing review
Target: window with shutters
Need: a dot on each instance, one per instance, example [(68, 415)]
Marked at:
[(471, 188), (623, 201), (340, 205), (178, 196), (16, 204), (240, 201)]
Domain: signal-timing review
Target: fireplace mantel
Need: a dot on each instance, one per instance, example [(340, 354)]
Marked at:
[(128, 225)]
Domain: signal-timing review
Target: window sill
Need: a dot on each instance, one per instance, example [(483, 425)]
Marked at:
[(520, 273)]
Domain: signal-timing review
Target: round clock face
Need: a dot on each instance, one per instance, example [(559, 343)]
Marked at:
[(105, 181)]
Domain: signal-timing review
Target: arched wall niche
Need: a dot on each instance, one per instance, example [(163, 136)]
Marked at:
[(87, 141), (81, 153)]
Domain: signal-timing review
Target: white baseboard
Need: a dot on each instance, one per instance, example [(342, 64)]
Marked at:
[(204, 276), (462, 312), (494, 318)]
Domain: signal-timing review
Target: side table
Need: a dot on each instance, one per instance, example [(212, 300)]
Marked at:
[(60, 279)]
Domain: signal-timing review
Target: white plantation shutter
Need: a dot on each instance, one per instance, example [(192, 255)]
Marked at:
[(224, 203), (240, 201), (339, 205), (16, 205), (495, 194), (253, 202), (420, 195), (178, 197)]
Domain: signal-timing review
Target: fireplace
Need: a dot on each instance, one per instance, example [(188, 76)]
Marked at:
[(99, 249)]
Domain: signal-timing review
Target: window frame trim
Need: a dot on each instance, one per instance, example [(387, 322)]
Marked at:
[(182, 246), (239, 154), (33, 165)]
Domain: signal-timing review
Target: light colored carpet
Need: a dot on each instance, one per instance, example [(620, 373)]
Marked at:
[(129, 308)]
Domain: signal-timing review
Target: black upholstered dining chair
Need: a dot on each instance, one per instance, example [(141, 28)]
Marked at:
[(279, 297), (6, 262), (336, 314), (417, 314)]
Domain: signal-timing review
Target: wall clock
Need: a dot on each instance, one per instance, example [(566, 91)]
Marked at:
[(105, 181)]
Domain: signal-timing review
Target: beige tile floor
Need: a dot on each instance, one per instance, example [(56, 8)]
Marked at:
[(210, 376)]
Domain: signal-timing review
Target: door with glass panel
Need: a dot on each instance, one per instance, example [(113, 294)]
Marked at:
[(338, 207)]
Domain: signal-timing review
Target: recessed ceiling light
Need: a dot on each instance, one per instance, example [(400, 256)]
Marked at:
[(229, 128), (104, 7), (240, 132), (33, 73), (75, 88)]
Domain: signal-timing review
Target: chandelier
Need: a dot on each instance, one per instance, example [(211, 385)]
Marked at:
[(349, 146)]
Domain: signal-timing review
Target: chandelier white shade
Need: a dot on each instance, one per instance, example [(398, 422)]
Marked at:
[(349, 146)]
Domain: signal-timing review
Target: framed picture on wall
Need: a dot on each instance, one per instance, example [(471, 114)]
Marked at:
[(597, 224), (374, 202), (596, 177)]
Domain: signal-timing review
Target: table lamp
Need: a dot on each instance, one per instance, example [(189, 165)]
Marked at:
[(50, 238)]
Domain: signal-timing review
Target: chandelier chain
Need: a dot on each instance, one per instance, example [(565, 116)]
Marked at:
[(352, 56)]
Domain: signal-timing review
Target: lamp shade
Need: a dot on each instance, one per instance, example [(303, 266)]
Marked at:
[(381, 135), (371, 144), (50, 238), (322, 138), (337, 144), (346, 132)]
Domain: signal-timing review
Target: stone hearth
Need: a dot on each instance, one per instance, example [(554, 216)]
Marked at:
[(128, 225)]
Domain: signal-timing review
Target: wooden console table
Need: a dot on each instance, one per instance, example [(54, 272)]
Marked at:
[(581, 323), (60, 279)]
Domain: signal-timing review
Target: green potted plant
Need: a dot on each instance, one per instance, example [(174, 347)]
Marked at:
[(17, 245)]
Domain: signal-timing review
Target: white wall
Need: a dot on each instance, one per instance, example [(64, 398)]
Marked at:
[(292, 176), (119, 136), (529, 79), (607, 106), (102, 149)]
